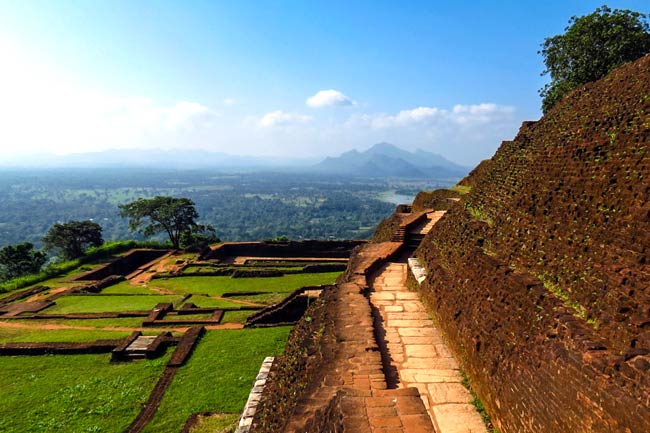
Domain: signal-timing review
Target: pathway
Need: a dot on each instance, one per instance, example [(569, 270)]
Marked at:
[(419, 356)]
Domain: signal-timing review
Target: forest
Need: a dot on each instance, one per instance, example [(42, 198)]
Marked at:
[(241, 206)]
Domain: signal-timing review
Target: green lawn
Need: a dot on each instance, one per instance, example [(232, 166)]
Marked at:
[(236, 316), (216, 286), (126, 288), (13, 335), (106, 304), (219, 423), (264, 299), (126, 322), (218, 376), (73, 393), (208, 302)]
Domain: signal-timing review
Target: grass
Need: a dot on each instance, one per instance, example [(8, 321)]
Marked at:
[(461, 189), (236, 316), (265, 299), (126, 288), (218, 376), (208, 302), (478, 405), (123, 322), (480, 215), (73, 393), (216, 286), (107, 304), (219, 423), (16, 335)]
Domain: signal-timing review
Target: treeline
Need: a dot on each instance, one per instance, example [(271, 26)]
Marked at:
[(248, 206)]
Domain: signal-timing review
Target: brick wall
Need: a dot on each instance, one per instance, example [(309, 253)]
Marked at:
[(541, 276)]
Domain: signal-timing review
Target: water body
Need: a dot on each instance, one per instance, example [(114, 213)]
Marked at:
[(394, 198)]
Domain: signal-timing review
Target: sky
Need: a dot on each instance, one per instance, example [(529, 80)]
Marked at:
[(273, 78)]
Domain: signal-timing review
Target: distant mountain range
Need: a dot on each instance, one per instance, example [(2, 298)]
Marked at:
[(388, 160), (381, 160), (155, 158)]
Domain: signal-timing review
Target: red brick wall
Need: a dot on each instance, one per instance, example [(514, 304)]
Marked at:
[(541, 276)]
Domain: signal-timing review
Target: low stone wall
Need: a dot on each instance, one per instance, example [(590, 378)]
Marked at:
[(308, 349), (124, 265), (333, 249), (99, 346), (287, 312), (22, 295)]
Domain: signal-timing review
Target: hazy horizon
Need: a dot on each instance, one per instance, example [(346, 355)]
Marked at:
[(293, 80)]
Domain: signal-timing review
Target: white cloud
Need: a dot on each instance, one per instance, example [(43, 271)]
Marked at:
[(280, 118), (464, 133), (145, 114), (459, 115), (44, 109), (329, 98)]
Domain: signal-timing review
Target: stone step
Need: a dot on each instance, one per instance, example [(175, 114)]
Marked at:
[(141, 344)]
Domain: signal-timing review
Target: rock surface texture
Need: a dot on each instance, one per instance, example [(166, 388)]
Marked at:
[(540, 275)]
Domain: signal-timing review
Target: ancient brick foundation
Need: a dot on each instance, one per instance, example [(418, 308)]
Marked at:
[(124, 265), (331, 249)]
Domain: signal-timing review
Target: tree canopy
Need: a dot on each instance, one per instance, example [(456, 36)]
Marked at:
[(174, 216), (73, 238), (19, 260), (591, 47)]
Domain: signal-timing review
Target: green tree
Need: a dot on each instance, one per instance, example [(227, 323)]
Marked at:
[(591, 47), (72, 238), (199, 238), (19, 260), (174, 216)]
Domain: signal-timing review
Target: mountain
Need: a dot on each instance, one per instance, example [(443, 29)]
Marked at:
[(388, 160), (137, 158)]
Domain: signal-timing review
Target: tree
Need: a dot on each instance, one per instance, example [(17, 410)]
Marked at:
[(73, 237), (591, 47), (19, 260), (199, 238), (174, 216)]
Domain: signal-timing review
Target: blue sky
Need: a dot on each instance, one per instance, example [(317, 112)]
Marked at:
[(244, 77)]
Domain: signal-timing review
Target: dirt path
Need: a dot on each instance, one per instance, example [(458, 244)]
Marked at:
[(418, 355), (43, 295), (166, 263)]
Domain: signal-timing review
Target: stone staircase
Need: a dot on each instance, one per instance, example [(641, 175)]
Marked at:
[(398, 235), (354, 395)]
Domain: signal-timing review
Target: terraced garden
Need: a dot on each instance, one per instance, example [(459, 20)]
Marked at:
[(184, 344)]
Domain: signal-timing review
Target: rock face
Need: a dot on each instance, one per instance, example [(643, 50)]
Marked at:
[(540, 276)]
